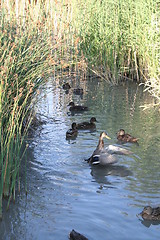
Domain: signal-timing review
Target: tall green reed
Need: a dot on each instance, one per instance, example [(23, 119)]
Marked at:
[(0, 150), (118, 36), (117, 39), (25, 64), (35, 43)]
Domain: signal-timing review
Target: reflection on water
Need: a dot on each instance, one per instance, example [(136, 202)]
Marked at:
[(148, 223), (100, 174), (64, 191)]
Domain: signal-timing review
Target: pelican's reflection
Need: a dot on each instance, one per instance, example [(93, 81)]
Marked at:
[(100, 173)]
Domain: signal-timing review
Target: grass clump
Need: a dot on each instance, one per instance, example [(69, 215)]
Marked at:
[(36, 41), (120, 38), (25, 63)]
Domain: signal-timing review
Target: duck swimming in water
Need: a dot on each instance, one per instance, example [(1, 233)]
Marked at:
[(78, 91), (125, 137), (66, 86), (104, 156), (87, 125), (77, 108), (72, 133), (150, 213), (76, 236)]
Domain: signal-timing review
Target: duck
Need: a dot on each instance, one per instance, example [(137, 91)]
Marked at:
[(78, 91), (73, 132), (105, 156), (150, 213), (66, 86), (87, 125), (76, 236), (77, 108), (125, 137)]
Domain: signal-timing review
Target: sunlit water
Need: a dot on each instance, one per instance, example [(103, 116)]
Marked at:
[(64, 192)]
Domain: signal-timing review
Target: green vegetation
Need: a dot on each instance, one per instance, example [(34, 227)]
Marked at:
[(25, 59), (113, 39), (122, 38)]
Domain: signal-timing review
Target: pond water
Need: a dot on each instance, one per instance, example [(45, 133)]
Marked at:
[(64, 192)]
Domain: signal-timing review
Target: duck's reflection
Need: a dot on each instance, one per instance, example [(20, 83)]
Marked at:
[(100, 173), (148, 223)]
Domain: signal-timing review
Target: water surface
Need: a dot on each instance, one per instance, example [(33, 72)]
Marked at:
[(64, 192)]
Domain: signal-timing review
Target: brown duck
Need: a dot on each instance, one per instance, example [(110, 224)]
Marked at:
[(125, 137), (72, 133), (76, 236), (66, 86), (78, 91), (150, 213), (87, 125), (77, 108)]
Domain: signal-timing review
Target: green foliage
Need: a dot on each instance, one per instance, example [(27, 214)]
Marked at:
[(122, 37), (25, 61)]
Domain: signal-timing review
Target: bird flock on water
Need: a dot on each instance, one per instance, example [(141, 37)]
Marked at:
[(103, 156)]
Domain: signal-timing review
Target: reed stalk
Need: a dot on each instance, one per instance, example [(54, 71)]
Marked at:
[(1, 183), (25, 64)]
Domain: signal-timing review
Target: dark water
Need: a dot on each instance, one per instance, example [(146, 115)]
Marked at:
[(65, 193)]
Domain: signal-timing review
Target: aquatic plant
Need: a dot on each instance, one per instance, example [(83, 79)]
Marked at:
[(112, 39), (121, 38), (33, 46), (25, 64)]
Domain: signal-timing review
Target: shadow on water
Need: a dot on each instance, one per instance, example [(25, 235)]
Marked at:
[(149, 223), (100, 173)]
